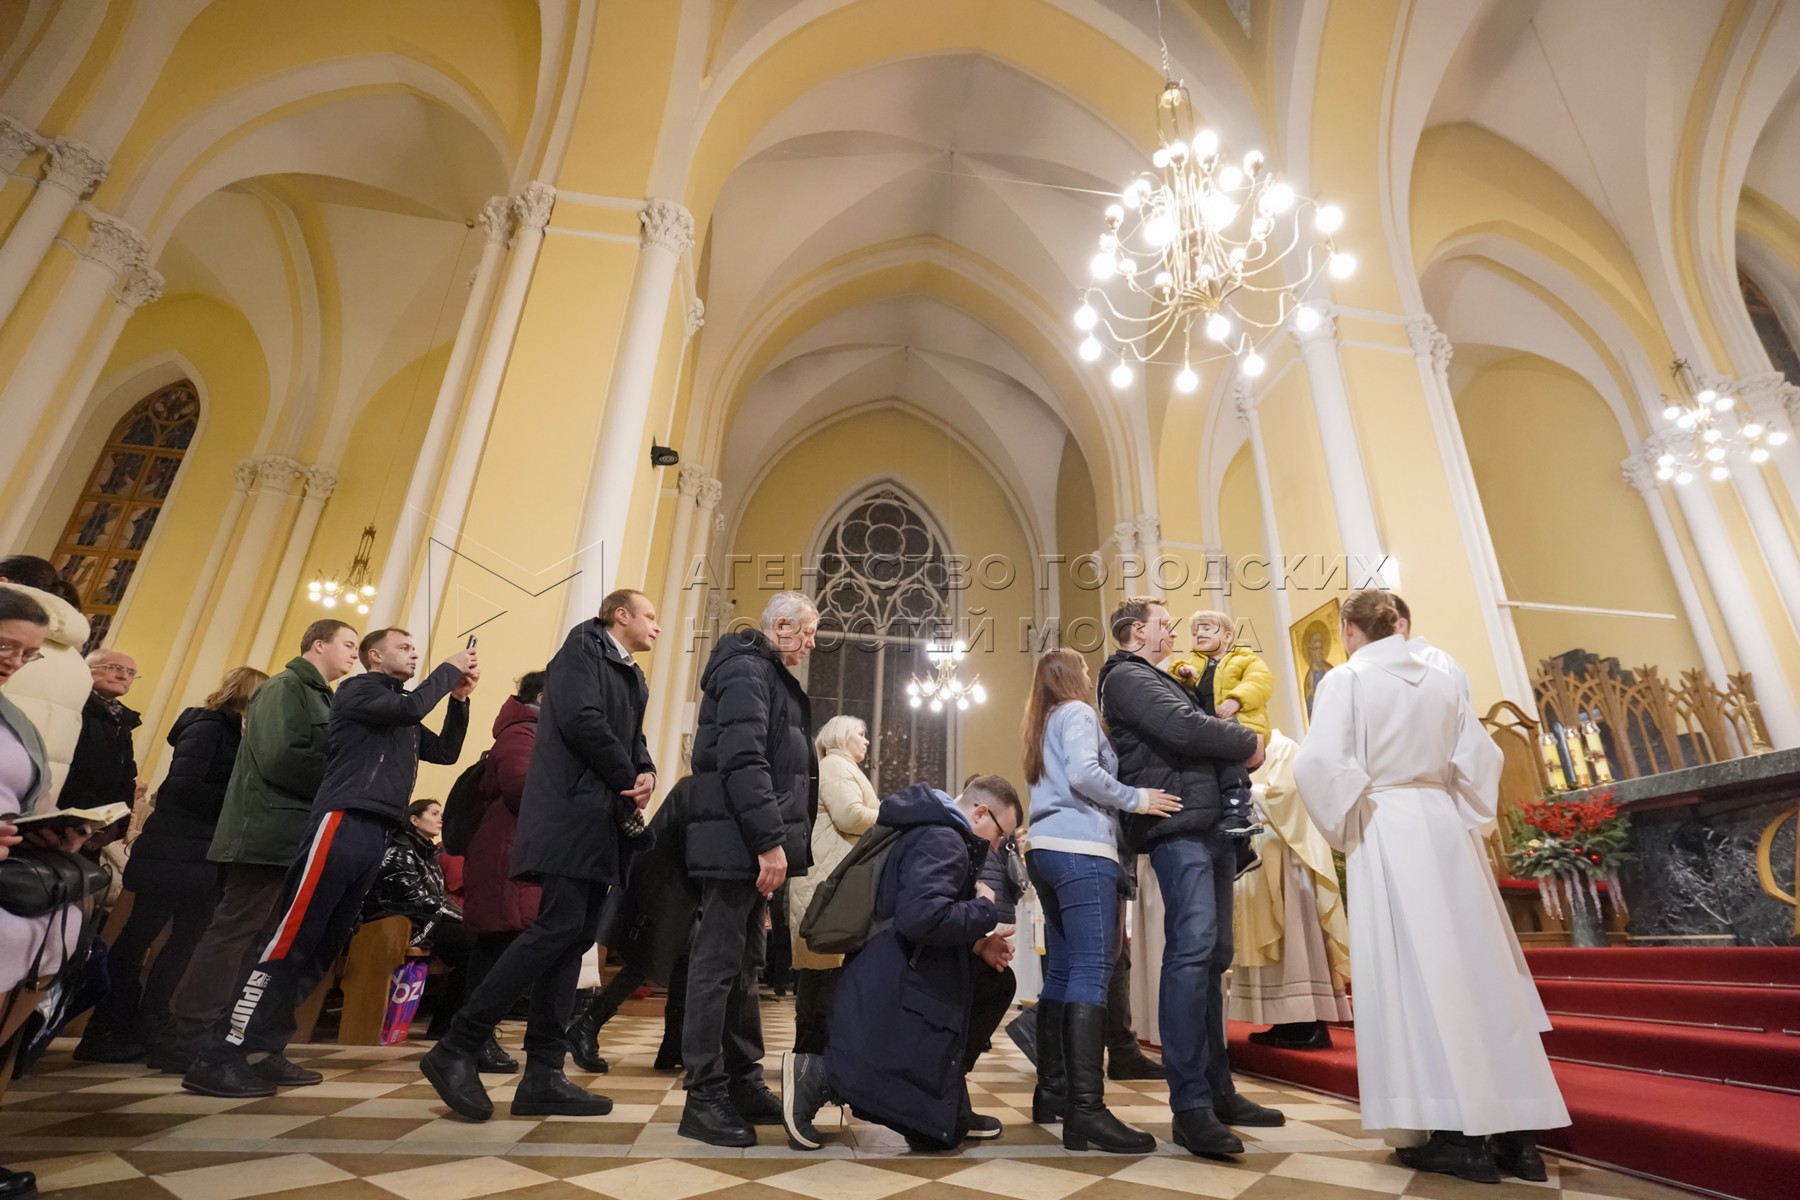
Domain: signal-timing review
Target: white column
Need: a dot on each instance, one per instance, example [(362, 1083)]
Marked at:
[(319, 482), (1350, 495), (140, 286), (1149, 548), (72, 171), (1639, 470), (17, 142), (1774, 403), (1433, 350), (668, 231), (683, 608), (1265, 500), (531, 209), (1772, 535), (155, 716), (276, 478), (406, 554)]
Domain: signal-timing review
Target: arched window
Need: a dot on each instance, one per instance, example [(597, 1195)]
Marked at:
[(1776, 340), (105, 538), (883, 596)]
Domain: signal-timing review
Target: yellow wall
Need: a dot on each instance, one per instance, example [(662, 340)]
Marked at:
[(808, 484), (1567, 530), (1241, 536)]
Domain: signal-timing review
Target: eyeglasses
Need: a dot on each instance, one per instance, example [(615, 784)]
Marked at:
[(118, 669), (16, 652)]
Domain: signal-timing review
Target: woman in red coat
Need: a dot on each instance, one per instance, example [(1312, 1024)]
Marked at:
[(496, 907)]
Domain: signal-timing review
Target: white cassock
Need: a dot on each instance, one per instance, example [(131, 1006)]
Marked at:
[(1397, 772)]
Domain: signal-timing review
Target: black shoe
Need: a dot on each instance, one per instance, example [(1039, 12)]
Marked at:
[(1239, 1110), (100, 1049), (547, 1093), (1198, 1131), (981, 1126), (1299, 1035), (713, 1120), (1022, 1029), (920, 1145), (584, 1042), (169, 1062), (456, 1077), (492, 1060), (757, 1104), (1452, 1154), (1516, 1154), (804, 1091), (1049, 1099), (233, 1079), (17, 1185), (1248, 859), (1133, 1063), (668, 1058), (279, 1071), (1087, 1123)]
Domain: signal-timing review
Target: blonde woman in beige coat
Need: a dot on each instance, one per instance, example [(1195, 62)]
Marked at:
[(848, 807)]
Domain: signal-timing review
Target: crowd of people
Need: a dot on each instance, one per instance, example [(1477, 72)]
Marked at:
[(287, 818)]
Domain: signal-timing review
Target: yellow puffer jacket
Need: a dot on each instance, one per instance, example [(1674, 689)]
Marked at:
[(1240, 676)]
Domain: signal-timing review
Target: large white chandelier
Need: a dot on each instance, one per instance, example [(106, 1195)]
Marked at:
[(1205, 254), (944, 686), (1698, 413), (353, 588)]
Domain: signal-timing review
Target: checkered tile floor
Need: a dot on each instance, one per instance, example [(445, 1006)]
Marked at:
[(374, 1129)]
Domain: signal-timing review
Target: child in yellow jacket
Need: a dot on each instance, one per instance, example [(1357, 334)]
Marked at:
[(1230, 682)]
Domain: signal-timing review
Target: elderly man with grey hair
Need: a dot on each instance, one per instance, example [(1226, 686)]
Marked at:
[(104, 769), (755, 794)]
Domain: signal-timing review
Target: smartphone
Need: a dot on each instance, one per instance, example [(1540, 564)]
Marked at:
[(472, 640)]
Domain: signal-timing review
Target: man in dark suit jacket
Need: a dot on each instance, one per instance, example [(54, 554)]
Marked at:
[(589, 771)]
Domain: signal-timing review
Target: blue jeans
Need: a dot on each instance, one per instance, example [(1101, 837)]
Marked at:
[(1195, 875), (1080, 895)]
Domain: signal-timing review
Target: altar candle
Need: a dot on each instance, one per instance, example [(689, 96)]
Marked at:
[(1553, 764), (1577, 757), (1596, 752)]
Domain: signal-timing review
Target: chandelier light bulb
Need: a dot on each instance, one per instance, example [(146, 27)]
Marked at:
[(329, 601), (1109, 242), (368, 589), (1237, 256), (1231, 179), (1121, 375), (980, 694), (1279, 198), (1343, 265), (1665, 460), (1253, 365), (1707, 396), (1778, 438), (1665, 473), (1158, 230), (1103, 265), (962, 703), (1127, 266), (332, 586), (1686, 420), (1672, 413), (1753, 431), (1261, 228), (1115, 213), (1164, 279), (1328, 220), (912, 688), (1132, 196), (1086, 318), (1217, 209), (363, 609), (1206, 143), (1759, 455), (1161, 158), (914, 701), (1253, 162), (1716, 454), (1178, 151), (1218, 327), (1724, 403), (937, 706), (1712, 435), (1090, 349), (1306, 319), (1721, 474), (1187, 380), (1684, 478)]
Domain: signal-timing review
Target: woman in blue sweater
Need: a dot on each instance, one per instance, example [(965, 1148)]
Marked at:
[(1073, 861)]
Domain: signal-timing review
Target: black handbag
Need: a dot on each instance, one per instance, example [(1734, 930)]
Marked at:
[(35, 882)]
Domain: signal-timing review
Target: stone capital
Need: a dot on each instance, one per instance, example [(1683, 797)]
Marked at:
[(1429, 342), (141, 286), (115, 245), (496, 220), (533, 206), (320, 483), (718, 609), (696, 316), (243, 475), (17, 141), (278, 473), (1125, 536), (667, 226), (1324, 331), (1639, 468), (74, 167), (1243, 399), (1241, 10), (1769, 397), (691, 479), (1149, 530)]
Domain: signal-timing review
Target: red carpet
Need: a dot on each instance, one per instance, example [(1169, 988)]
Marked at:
[(1665, 1070)]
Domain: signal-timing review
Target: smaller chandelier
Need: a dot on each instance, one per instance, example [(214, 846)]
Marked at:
[(1205, 255), (1699, 413), (355, 587), (943, 686)]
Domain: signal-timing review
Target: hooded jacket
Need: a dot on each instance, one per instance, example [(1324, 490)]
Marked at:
[(280, 764), (493, 901), (52, 691), (1163, 741), (169, 856), (755, 742)]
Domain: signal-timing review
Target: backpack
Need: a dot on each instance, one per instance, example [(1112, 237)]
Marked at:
[(463, 809), (841, 917)]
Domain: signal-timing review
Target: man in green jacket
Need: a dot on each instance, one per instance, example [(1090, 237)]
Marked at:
[(279, 767)]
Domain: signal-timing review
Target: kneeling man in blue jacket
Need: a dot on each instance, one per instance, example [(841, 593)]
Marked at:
[(917, 1004)]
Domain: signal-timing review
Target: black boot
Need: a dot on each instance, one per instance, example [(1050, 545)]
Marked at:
[(1234, 1109), (1455, 1154), (1048, 1099), (456, 1077), (668, 1055), (1086, 1121), (712, 1119), (1130, 1062), (231, 1078), (17, 1185), (1516, 1154), (1022, 1029), (282, 1072), (584, 1039), (99, 1046), (1199, 1131), (493, 1060), (547, 1092), (1295, 1035)]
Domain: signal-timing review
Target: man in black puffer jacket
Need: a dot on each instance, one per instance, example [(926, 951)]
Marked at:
[(755, 794), (377, 739), (1164, 742)]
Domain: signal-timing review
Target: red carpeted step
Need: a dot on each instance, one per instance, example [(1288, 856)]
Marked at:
[(1766, 1059), (1732, 1140), (1671, 964), (1746, 1006)]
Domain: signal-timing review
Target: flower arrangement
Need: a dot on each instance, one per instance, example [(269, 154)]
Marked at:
[(1577, 843)]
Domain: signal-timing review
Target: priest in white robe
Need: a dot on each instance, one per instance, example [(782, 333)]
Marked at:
[(1397, 772)]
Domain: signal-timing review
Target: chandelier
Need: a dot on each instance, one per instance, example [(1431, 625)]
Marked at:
[(1697, 412), (943, 686), (355, 587), (1204, 255)]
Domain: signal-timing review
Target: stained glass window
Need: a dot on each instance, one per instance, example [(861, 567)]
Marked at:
[(1777, 340), (104, 541)]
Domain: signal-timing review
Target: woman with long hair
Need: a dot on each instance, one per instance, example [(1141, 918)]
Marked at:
[(168, 875), (1073, 860), (1398, 774)]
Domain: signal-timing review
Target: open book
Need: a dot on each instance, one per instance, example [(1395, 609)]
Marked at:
[(73, 818)]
